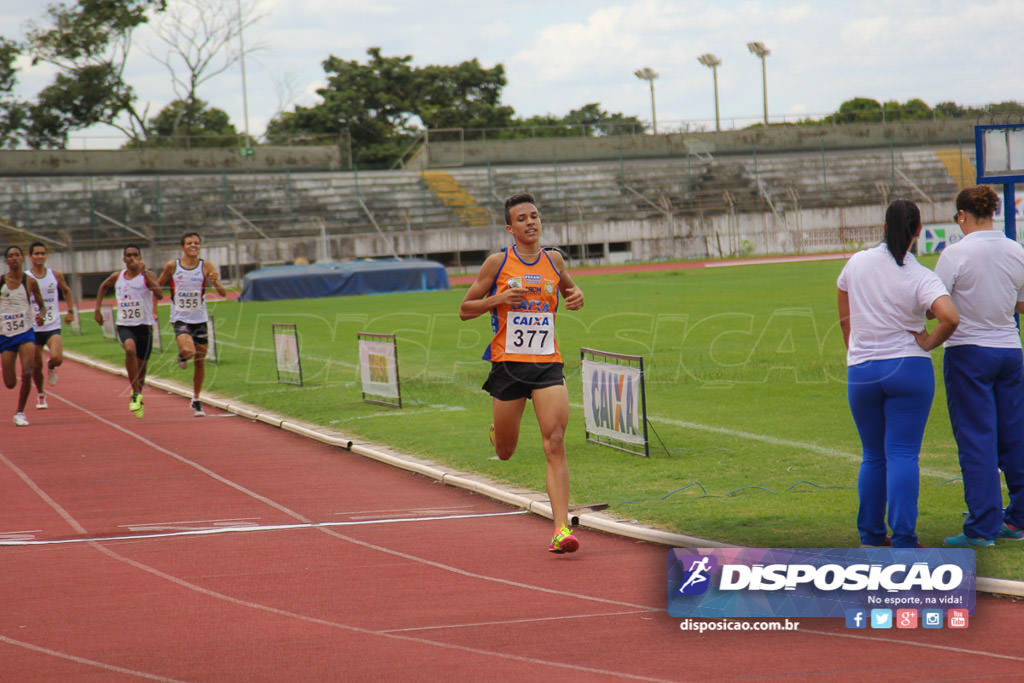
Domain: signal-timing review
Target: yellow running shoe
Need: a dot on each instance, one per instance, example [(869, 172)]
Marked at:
[(136, 406), (564, 542)]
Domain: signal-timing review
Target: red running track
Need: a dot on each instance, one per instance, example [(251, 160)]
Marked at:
[(404, 584)]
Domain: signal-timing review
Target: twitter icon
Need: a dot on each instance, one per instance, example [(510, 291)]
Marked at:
[(881, 618)]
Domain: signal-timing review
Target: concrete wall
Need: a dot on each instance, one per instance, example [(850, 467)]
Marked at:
[(168, 161), (482, 152), (774, 139)]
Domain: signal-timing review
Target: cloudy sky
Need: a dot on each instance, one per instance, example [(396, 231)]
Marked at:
[(562, 54)]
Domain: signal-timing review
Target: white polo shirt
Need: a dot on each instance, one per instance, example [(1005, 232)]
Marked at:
[(887, 304), (984, 273)]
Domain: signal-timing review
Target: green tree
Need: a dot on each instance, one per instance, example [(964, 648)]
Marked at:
[(587, 121), (912, 110), (195, 124), (92, 95), (13, 112), (950, 110), (372, 102), (596, 121), (88, 43), (916, 109), (462, 96), (1010, 109), (197, 40), (858, 110), (385, 103)]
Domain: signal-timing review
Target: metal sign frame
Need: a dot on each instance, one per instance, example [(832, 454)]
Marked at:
[(381, 399), (287, 330), (637, 362), (1007, 138)]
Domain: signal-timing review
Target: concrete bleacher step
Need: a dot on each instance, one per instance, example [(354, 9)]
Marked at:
[(958, 166), (399, 200)]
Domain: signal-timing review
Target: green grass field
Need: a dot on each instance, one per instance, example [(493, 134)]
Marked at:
[(752, 440)]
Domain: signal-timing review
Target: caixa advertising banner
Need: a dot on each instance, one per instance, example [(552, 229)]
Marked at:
[(817, 582)]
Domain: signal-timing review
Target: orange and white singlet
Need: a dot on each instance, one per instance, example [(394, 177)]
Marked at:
[(525, 333)]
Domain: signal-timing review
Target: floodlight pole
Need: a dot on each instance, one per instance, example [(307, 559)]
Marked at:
[(758, 48), (711, 61), (245, 96), (648, 74)]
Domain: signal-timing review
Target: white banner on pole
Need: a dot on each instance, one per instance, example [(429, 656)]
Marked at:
[(211, 349), (109, 322), (378, 368), (158, 342), (614, 405), (286, 353)]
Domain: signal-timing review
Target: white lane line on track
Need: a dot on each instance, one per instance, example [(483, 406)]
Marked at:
[(242, 529), (776, 259), (265, 608), (90, 662), (433, 510), (947, 648), (180, 524), (512, 622), (776, 441), (392, 413), (302, 518), (308, 619), (315, 620), (307, 357), (412, 558)]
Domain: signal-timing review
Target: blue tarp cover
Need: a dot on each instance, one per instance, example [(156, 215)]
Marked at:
[(343, 279)]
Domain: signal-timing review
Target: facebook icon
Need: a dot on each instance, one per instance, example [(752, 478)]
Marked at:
[(856, 618)]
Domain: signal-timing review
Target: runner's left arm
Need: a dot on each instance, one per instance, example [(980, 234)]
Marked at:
[(214, 277), (152, 284), (33, 290), (69, 297), (570, 291)]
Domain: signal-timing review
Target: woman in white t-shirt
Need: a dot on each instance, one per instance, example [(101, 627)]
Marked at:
[(982, 366), (884, 295)]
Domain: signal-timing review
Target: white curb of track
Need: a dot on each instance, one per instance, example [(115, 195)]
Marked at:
[(530, 501)]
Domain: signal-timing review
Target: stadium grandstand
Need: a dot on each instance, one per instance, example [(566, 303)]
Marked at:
[(609, 200)]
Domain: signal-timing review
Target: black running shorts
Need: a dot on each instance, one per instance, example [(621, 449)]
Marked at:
[(510, 380)]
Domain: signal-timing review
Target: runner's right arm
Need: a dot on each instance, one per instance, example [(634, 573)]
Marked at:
[(97, 313), (476, 301)]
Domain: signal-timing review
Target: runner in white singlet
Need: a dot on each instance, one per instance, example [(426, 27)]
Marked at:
[(135, 289), (189, 276), (48, 335), (17, 338)]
